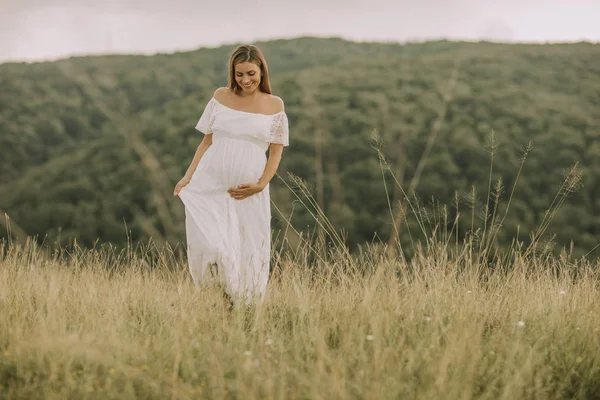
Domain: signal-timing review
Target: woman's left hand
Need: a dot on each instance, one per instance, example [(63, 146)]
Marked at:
[(245, 190)]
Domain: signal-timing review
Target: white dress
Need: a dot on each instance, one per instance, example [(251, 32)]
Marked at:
[(229, 240)]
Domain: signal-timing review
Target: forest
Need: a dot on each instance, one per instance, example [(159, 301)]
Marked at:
[(383, 136)]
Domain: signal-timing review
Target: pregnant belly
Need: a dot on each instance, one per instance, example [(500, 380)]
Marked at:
[(232, 162)]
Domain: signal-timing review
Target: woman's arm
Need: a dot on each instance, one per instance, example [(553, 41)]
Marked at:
[(275, 153), (202, 147)]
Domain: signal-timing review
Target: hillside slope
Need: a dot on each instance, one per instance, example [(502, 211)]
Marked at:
[(93, 144)]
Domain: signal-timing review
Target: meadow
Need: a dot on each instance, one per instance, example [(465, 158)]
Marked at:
[(101, 324)]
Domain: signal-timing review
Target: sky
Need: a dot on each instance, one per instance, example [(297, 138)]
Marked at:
[(35, 30)]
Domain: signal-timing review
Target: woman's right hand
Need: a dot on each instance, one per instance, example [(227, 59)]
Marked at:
[(180, 185)]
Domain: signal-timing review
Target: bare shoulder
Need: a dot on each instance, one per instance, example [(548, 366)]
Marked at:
[(275, 104), (221, 94)]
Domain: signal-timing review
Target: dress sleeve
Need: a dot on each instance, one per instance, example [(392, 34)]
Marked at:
[(279, 130), (207, 119)]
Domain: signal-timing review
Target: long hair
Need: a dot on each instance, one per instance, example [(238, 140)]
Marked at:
[(248, 53)]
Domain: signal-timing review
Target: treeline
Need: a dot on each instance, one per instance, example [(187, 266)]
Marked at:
[(91, 147)]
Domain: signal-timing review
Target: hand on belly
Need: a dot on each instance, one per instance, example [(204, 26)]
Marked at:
[(245, 190)]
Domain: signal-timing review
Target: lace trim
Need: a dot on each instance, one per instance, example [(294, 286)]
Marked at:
[(279, 132)]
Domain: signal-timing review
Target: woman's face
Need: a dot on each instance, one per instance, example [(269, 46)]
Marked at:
[(247, 75)]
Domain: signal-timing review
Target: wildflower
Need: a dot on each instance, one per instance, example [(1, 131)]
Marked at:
[(247, 353), (469, 292), (269, 342), (370, 337), (112, 371), (562, 292), (427, 319), (521, 324)]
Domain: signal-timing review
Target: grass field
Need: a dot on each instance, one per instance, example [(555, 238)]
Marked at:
[(96, 325), (462, 319)]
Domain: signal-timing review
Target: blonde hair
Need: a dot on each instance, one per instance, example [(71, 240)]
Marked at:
[(248, 53)]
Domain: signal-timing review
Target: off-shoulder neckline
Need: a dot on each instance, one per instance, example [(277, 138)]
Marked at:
[(246, 112)]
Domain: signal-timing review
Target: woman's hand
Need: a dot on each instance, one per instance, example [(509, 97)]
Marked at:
[(180, 185), (245, 190)]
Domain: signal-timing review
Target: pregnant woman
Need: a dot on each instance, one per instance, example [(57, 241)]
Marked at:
[(225, 191)]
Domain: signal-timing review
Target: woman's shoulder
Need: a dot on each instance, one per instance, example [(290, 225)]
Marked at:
[(221, 94), (274, 104)]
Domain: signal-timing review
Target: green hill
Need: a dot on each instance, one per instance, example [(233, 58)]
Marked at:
[(91, 147)]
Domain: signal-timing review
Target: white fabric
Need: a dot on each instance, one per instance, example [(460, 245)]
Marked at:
[(228, 240)]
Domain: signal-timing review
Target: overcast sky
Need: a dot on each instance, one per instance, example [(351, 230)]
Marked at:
[(50, 29)]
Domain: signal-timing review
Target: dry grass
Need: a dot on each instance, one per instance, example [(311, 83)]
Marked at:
[(93, 325)]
